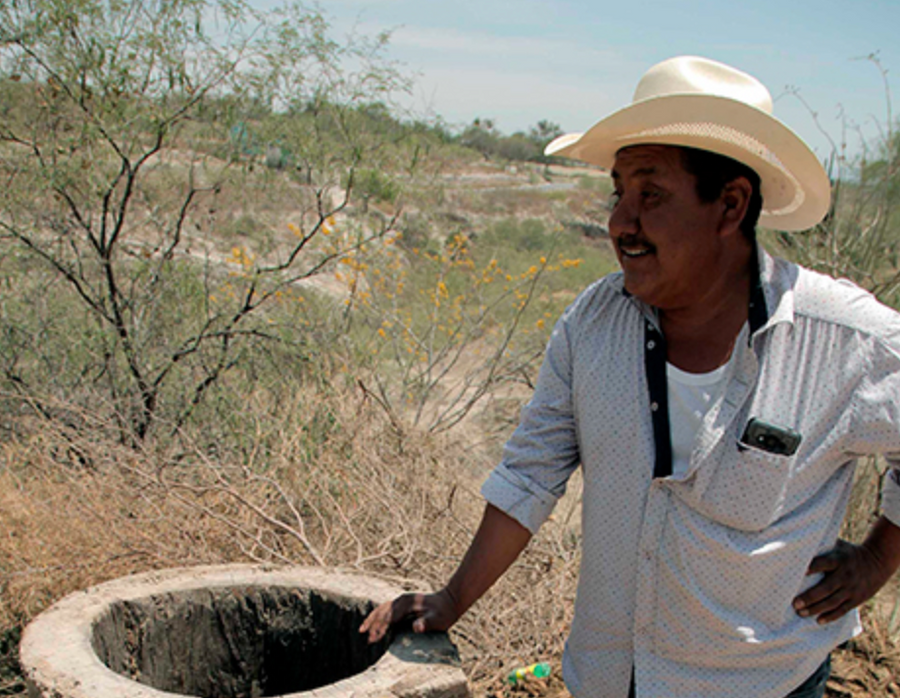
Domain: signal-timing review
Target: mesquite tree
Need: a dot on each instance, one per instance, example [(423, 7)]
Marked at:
[(124, 125)]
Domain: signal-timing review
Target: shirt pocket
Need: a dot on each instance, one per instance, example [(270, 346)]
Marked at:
[(748, 489)]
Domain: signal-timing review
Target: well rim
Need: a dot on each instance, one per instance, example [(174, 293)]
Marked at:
[(58, 657)]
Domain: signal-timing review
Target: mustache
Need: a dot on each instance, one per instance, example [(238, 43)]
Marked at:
[(631, 239)]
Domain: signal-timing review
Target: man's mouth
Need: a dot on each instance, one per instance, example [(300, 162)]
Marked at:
[(632, 248)]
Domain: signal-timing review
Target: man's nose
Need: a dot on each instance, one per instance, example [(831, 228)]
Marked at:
[(623, 219)]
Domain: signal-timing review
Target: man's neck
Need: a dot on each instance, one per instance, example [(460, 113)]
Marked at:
[(700, 338)]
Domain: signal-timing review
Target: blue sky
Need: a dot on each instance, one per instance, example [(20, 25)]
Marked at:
[(574, 61)]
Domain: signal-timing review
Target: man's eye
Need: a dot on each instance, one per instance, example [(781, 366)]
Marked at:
[(649, 195)]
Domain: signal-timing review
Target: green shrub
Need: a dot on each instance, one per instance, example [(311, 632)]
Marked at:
[(529, 235), (374, 185)]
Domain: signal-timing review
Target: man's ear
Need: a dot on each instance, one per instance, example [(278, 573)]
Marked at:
[(735, 200)]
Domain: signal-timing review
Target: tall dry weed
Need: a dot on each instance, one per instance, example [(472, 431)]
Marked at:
[(77, 509)]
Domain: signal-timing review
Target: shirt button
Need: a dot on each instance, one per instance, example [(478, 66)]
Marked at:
[(654, 406), (651, 344)]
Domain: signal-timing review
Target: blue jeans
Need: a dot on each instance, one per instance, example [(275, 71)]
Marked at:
[(813, 687)]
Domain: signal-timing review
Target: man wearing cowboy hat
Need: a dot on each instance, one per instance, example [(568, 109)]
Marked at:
[(717, 400)]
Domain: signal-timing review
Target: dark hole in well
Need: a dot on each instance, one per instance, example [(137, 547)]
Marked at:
[(237, 642)]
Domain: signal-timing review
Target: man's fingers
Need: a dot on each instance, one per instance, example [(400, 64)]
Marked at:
[(429, 618), (828, 586), (837, 613), (417, 605), (851, 575), (835, 594), (819, 596), (372, 619), (822, 604), (388, 613), (824, 563), (427, 612), (375, 624)]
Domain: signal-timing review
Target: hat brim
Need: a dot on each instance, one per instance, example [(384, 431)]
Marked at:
[(795, 188)]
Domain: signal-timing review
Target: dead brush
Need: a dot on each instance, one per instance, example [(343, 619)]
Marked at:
[(398, 505), (66, 525), (868, 665)]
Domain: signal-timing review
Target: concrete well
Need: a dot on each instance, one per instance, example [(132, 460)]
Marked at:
[(232, 631)]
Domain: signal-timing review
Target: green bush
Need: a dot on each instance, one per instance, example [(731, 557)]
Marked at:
[(374, 185), (528, 235)]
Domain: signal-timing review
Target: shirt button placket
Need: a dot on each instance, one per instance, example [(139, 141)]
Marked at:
[(645, 600)]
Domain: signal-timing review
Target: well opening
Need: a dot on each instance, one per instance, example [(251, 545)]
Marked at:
[(237, 642)]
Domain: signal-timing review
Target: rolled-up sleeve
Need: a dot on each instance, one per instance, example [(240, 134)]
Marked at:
[(543, 451), (890, 493)]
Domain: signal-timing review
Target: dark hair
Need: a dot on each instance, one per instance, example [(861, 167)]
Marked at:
[(713, 172)]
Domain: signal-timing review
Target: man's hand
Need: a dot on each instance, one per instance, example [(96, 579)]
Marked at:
[(853, 574), (497, 543), (429, 613)]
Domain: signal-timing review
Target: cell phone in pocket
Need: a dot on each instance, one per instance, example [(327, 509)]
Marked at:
[(771, 438)]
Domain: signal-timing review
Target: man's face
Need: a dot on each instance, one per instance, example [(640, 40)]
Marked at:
[(665, 237)]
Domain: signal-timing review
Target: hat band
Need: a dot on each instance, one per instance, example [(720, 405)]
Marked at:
[(705, 131)]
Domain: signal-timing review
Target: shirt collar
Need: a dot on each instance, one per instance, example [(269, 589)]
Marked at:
[(776, 280)]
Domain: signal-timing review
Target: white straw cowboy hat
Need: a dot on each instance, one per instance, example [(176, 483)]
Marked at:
[(703, 104)]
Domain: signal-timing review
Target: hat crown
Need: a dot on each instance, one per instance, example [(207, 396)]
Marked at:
[(702, 76)]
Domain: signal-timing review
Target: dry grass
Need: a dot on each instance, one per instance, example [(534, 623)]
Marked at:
[(75, 512), (868, 665)]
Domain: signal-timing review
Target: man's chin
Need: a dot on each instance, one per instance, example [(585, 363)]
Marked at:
[(633, 287), (642, 292)]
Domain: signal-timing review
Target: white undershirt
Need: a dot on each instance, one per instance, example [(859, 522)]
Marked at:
[(690, 397)]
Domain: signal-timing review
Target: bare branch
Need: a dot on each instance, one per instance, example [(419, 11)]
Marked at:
[(78, 283)]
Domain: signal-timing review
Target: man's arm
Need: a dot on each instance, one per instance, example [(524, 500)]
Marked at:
[(853, 574), (497, 543)]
